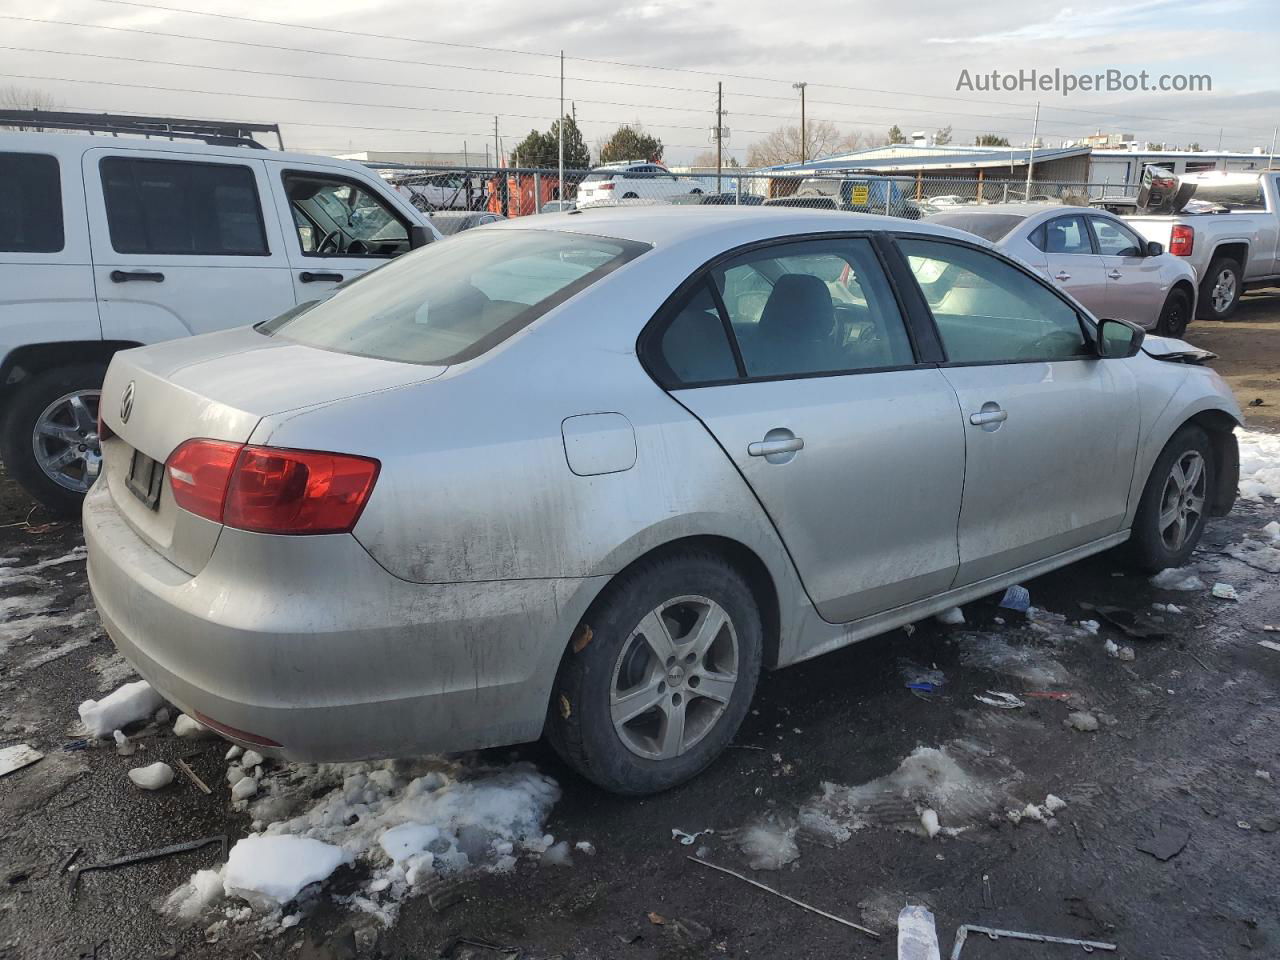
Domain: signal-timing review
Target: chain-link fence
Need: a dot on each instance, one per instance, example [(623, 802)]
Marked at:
[(518, 192)]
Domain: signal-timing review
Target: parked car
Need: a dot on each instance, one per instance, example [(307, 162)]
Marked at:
[(1227, 230), (444, 191), (737, 199), (1092, 255), (739, 440), (864, 195), (633, 180), (559, 206), (449, 222), (109, 243)]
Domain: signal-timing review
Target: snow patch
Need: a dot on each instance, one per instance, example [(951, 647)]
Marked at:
[(133, 701), (1029, 664), (1177, 578), (153, 776), (186, 726), (953, 616), (203, 890), (270, 871), (769, 846)]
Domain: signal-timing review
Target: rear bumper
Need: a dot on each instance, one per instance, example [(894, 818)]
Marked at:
[(308, 642)]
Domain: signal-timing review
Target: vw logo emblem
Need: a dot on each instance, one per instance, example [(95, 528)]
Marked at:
[(126, 403)]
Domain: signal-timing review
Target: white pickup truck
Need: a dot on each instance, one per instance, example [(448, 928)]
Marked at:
[(1228, 231)]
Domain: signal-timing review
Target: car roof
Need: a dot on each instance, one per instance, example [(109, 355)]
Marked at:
[(668, 224), (74, 143), (1026, 211)]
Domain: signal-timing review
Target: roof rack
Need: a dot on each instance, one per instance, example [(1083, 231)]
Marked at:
[(214, 132)]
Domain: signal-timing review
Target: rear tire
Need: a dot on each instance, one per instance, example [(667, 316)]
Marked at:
[(1220, 290), (1176, 314), (666, 677), (1171, 514), (47, 399)]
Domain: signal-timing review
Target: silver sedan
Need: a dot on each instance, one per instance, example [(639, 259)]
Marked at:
[(1094, 256), (586, 475)]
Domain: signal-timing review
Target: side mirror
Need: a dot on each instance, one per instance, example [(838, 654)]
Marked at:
[(1154, 248), (1118, 339), (419, 236)]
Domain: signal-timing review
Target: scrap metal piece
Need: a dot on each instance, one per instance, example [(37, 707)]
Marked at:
[(962, 934), (148, 855), (17, 757), (798, 903)]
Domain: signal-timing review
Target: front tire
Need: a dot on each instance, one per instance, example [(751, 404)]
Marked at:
[(1176, 314), (1220, 291), (49, 438), (1171, 514), (666, 677)]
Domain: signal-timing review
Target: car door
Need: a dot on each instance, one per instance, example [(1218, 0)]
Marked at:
[(1070, 260), (1051, 430), (1135, 289), (182, 244), (797, 358), (341, 226)]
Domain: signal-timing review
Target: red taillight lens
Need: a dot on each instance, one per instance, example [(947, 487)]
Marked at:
[(604, 186), (1182, 241), (199, 471), (298, 491)]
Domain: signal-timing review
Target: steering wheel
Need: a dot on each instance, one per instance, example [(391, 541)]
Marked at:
[(330, 243), (357, 248)]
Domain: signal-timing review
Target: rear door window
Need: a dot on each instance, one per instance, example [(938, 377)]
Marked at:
[(176, 207), (1063, 235), (30, 204)]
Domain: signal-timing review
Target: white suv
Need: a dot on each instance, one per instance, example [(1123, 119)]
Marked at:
[(110, 243), (631, 181)]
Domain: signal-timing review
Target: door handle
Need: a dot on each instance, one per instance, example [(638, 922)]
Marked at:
[(768, 448), (306, 276), (124, 276), (1115, 274), (988, 416), (1062, 275)]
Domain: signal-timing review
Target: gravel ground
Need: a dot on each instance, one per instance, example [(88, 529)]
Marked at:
[(1182, 729)]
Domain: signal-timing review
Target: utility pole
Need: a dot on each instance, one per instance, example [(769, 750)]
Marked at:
[(496, 152), (1031, 159), (560, 130), (803, 152), (719, 133), (1219, 139), (1271, 158)]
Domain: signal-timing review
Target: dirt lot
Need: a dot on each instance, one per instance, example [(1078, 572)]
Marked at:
[(1183, 729)]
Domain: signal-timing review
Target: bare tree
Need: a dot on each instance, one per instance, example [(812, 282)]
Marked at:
[(822, 139), (25, 98)]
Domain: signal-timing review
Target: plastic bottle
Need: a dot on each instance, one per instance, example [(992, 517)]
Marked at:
[(917, 938)]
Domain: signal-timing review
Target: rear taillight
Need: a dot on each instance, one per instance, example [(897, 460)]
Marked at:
[(298, 491), (1182, 241), (604, 186), (269, 490), (104, 432), (199, 471)]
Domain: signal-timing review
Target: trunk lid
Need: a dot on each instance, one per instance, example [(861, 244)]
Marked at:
[(217, 387)]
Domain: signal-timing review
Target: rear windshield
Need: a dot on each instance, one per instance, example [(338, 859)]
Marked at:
[(450, 302), (989, 226)]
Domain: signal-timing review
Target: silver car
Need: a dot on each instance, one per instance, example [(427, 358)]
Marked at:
[(587, 476), (1094, 256)]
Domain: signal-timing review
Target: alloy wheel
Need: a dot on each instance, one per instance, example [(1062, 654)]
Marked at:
[(1182, 501), (674, 677), (65, 440), (1224, 291)]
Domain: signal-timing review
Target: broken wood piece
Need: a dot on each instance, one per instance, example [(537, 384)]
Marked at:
[(191, 774)]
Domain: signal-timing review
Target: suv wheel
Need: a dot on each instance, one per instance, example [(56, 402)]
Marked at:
[(49, 439), (1220, 291), (1171, 513), (666, 677)]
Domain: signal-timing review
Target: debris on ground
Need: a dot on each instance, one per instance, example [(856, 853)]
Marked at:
[(769, 846), (126, 705), (952, 617), (996, 698), (1120, 653), (920, 679), (1134, 624), (1177, 578), (689, 839), (1083, 721), (917, 935), (1016, 598), (154, 776), (17, 757), (269, 871), (585, 846), (799, 903), (1026, 663), (186, 726), (1225, 591), (1263, 775), (124, 746), (1270, 645), (992, 933), (156, 854), (191, 775), (1171, 608), (1166, 842)]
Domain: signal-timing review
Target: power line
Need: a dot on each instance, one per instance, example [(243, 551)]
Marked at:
[(614, 63)]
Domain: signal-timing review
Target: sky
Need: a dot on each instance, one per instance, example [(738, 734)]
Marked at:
[(383, 75)]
